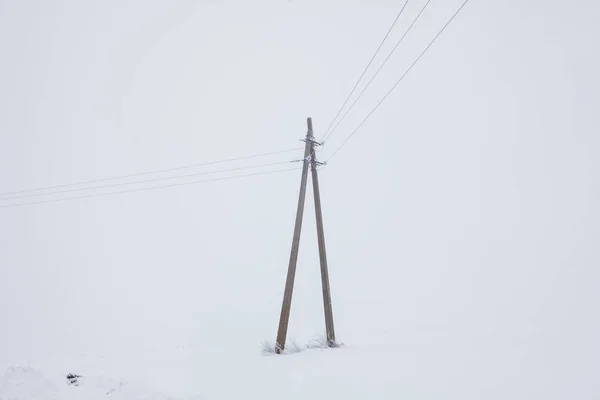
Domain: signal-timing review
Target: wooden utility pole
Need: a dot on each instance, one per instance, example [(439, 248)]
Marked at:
[(291, 275), (309, 158), (322, 253)]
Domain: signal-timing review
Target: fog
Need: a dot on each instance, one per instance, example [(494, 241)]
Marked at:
[(463, 216)]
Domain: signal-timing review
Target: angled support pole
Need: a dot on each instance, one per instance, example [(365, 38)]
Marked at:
[(291, 275), (329, 329)]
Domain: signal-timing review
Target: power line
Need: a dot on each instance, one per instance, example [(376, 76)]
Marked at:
[(149, 188), (144, 181), (151, 172), (377, 72), (398, 81), (366, 68)]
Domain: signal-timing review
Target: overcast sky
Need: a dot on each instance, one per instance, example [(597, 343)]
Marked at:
[(464, 212)]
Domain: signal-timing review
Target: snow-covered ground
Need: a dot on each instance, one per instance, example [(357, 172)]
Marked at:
[(373, 372), (29, 383), (433, 367)]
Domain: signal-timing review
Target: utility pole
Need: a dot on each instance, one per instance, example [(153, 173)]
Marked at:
[(321, 239), (309, 158), (291, 275)]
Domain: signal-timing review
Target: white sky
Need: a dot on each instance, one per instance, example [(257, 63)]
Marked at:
[(465, 212)]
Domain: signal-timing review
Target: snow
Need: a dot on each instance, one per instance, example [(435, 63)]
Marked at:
[(430, 368), (189, 373), (22, 383), (26, 383)]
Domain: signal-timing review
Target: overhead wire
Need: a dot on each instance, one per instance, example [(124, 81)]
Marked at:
[(144, 181), (151, 172), (327, 134), (398, 81), (366, 68), (148, 188), (376, 72)]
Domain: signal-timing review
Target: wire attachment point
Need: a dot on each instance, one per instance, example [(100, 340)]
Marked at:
[(311, 141), (310, 160)]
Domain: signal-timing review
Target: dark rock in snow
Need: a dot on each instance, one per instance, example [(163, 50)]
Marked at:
[(73, 379)]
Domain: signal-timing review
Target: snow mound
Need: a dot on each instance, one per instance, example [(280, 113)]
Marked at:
[(25, 383)]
